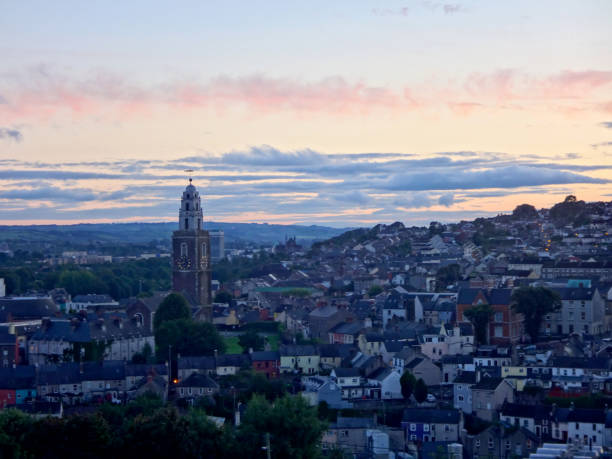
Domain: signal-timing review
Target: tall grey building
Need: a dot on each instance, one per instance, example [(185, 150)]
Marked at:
[(217, 244)]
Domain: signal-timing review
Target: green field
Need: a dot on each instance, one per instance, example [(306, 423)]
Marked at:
[(231, 342)]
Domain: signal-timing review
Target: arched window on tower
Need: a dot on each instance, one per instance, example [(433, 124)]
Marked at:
[(183, 249), (199, 224), (186, 223), (186, 206), (204, 250)]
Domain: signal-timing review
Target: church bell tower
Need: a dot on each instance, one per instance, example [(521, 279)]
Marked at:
[(191, 272)]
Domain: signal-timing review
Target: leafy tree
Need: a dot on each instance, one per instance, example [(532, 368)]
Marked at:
[(480, 316), (567, 211), (448, 275), (534, 303), (187, 337), (524, 212), (374, 290), (251, 340), (293, 425), (223, 297), (420, 391), (173, 307), (408, 382), (145, 356)]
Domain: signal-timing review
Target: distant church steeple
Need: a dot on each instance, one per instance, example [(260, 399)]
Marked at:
[(191, 271)]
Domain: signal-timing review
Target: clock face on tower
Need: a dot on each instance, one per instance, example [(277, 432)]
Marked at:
[(183, 263)]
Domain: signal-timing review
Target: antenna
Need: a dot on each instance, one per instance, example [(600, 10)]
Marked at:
[(189, 172)]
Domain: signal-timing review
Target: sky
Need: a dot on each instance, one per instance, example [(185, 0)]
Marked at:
[(343, 113)]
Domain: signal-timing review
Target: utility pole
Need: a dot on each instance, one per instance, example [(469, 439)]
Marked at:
[(267, 447), (169, 371)]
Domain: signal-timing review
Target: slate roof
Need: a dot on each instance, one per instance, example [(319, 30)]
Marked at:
[(20, 377), (346, 372), (103, 371), (336, 350), (232, 360), (65, 373), (325, 311), (394, 346), (586, 415), (197, 363), (347, 328), (414, 362), (487, 384), (6, 338), (92, 298), (457, 359), (96, 328), (466, 377), (297, 350), (380, 373), (354, 423), (198, 380), (26, 308), (264, 356), (425, 415), (493, 296), (143, 369), (580, 362), (527, 411)]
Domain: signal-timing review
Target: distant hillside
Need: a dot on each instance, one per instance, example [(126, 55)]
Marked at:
[(144, 233)]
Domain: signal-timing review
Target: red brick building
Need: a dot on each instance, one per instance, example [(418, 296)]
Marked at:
[(505, 326), (266, 362)]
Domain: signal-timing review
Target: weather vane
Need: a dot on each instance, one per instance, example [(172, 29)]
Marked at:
[(189, 171)]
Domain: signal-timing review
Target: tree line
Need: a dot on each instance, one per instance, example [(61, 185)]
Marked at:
[(147, 427)]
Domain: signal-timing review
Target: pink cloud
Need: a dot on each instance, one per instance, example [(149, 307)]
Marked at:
[(42, 94)]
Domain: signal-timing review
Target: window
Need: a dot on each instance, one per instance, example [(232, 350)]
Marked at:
[(583, 316), (412, 427), (594, 427), (186, 223), (426, 428), (490, 443), (477, 443), (499, 317), (183, 249), (186, 206), (460, 398), (204, 250)]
